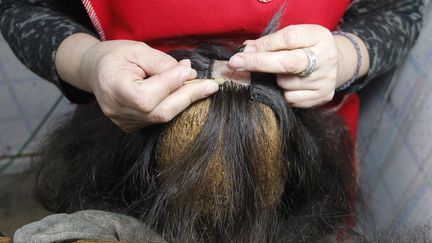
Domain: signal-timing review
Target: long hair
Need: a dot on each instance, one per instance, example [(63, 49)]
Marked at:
[(230, 168)]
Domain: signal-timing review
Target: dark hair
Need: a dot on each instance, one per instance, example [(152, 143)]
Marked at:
[(89, 163)]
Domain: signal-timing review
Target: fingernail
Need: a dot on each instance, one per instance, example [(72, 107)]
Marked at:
[(186, 62), (185, 74), (211, 88), (192, 74), (248, 42), (237, 62), (250, 48)]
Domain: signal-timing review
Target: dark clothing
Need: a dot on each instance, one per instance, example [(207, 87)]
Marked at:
[(35, 29), (389, 28)]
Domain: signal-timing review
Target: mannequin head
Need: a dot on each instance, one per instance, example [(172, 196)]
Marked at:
[(229, 168), (239, 166)]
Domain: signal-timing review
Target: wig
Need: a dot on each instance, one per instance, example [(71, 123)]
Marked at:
[(239, 166)]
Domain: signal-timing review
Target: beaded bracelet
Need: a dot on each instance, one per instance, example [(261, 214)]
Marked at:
[(359, 59)]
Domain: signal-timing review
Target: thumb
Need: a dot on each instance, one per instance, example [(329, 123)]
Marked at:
[(179, 100)]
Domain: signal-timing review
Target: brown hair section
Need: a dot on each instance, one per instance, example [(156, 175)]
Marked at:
[(213, 194)]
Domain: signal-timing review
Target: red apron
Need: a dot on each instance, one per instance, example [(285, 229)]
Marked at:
[(163, 24)]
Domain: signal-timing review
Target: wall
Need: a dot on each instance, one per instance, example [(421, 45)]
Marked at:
[(395, 140)]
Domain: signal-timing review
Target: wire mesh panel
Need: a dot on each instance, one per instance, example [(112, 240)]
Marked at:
[(26, 114), (25, 100), (395, 141)]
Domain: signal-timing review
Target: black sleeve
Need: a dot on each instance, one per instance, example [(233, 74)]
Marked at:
[(389, 29), (34, 30)]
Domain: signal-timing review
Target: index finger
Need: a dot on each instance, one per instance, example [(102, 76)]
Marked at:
[(182, 98), (292, 62)]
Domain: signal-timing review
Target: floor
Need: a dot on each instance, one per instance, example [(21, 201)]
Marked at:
[(17, 206)]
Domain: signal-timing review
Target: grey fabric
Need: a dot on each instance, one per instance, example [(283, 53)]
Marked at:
[(86, 225)]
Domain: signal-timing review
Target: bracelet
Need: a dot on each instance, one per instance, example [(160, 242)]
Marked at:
[(359, 59)]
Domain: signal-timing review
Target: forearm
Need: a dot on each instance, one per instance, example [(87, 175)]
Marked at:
[(35, 30), (388, 29)]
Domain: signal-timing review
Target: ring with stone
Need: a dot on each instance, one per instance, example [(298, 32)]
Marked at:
[(312, 61)]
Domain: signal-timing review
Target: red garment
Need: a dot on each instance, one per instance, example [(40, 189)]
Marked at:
[(163, 24)]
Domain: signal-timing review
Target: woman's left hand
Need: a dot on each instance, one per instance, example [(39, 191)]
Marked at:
[(282, 53)]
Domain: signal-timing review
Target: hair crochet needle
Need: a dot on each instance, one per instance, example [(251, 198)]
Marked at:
[(220, 81)]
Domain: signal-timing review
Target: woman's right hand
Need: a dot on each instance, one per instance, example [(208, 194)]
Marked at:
[(136, 85)]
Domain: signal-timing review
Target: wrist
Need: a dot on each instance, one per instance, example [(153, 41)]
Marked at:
[(353, 58), (69, 59), (346, 63)]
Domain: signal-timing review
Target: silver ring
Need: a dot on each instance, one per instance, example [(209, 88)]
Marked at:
[(312, 61)]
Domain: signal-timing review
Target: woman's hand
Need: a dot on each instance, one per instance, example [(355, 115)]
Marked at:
[(136, 85), (282, 53)]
